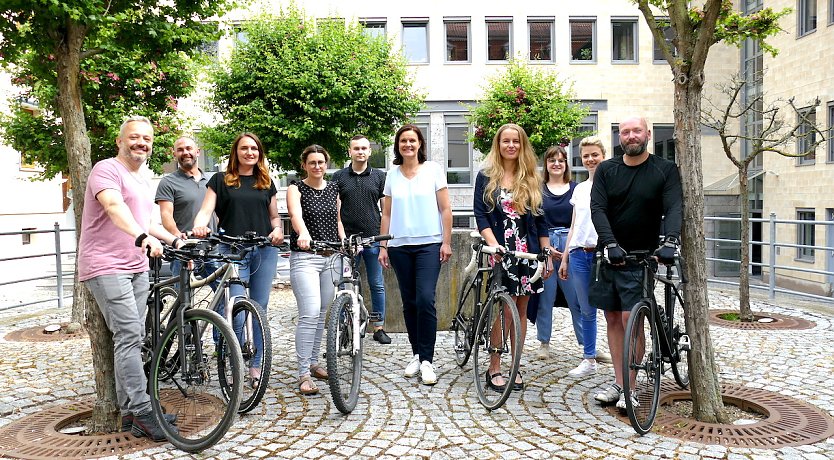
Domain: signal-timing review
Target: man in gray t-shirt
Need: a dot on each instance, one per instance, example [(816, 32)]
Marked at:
[(180, 195)]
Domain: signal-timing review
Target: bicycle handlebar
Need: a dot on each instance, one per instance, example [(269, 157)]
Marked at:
[(480, 246), (349, 245), (641, 256), (201, 248)]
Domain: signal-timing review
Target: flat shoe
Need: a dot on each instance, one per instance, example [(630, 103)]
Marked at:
[(518, 386), (318, 372), (311, 389), (498, 388)]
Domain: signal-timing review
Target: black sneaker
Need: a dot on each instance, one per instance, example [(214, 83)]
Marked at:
[(145, 426), (127, 421), (381, 337)]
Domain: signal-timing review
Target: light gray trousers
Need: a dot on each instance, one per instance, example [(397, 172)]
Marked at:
[(122, 299), (312, 277)]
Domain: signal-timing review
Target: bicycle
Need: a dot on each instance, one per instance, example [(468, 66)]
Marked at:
[(180, 369), (475, 322), (346, 322), (654, 338)]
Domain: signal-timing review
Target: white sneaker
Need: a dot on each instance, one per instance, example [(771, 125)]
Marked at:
[(543, 352), (413, 367), (427, 375), (610, 394), (586, 367), (621, 403)]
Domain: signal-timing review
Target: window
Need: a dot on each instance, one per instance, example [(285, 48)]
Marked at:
[(27, 162), (751, 6), (831, 11), (805, 234), (424, 123), (624, 40), (373, 27), (806, 136), (459, 155), (582, 40), (379, 157), (807, 16), (457, 40), (831, 132), (541, 40), (588, 126), (27, 237), (664, 141), (499, 45), (616, 150), (669, 35), (416, 41), (240, 35)]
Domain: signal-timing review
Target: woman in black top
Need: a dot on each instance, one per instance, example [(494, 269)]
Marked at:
[(313, 204), (244, 199)]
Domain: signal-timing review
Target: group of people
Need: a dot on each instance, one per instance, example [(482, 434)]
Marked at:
[(618, 209)]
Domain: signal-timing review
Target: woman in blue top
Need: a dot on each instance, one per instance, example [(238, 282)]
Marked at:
[(416, 211), (507, 205), (555, 224)]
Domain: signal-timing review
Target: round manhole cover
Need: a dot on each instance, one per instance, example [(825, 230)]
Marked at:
[(40, 436), (787, 421), (51, 333), (761, 321)]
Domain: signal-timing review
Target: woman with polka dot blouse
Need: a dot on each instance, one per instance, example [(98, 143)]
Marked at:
[(313, 205)]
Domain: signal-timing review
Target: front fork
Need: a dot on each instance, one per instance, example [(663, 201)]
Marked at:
[(358, 311), (247, 345)]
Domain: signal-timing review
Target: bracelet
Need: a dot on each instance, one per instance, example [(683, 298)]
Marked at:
[(383, 247), (140, 239), (174, 243)]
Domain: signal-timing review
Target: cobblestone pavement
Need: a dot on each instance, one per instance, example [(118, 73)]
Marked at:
[(555, 417)]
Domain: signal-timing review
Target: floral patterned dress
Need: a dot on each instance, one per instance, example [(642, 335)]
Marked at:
[(518, 271)]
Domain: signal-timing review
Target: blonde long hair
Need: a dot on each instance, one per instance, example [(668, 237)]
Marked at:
[(527, 184)]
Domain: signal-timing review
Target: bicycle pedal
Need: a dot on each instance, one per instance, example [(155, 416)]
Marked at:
[(683, 343)]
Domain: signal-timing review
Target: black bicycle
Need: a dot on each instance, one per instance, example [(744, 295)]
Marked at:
[(347, 322), (183, 377), (655, 340), (489, 327)]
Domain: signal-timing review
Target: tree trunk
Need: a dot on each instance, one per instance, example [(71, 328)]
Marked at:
[(68, 55), (706, 392), (745, 314)]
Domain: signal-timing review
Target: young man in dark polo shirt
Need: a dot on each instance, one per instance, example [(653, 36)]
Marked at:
[(360, 189)]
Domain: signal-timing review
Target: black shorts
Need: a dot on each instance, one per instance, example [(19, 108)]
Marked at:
[(617, 289)]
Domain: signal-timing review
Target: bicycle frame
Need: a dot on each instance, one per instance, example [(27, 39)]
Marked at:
[(351, 278), (229, 274), (663, 318)]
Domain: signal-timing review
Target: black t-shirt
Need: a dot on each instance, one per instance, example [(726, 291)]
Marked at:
[(628, 203), (242, 209)]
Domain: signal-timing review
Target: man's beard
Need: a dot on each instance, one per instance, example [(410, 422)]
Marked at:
[(137, 155), (186, 163), (634, 150)]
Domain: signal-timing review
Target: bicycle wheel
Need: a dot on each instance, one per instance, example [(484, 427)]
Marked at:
[(167, 300), (498, 333), (641, 368), (193, 392), (244, 311), (464, 322), (344, 366), (680, 340)]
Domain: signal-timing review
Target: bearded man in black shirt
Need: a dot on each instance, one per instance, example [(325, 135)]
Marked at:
[(631, 197)]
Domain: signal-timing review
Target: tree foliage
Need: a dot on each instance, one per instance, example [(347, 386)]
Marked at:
[(295, 82), (134, 61), (532, 98)]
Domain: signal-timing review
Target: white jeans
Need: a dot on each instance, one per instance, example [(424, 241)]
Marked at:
[(312, 277)]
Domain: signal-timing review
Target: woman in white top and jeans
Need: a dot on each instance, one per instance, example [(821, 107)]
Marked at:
[(416, 211), (578, 258)]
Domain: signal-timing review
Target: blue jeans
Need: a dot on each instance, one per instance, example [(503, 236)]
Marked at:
[(201, 269), (544, 316), (258, 269), (417, 268), (580, 266), (376, 283)]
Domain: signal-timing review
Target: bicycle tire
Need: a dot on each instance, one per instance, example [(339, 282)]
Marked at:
[(252, 395), (344, 368), (465, 321), (167, 300), (194, 394), (641, 355), (680, 362), (500, 309)]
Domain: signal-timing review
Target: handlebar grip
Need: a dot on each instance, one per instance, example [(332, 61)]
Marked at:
[(538, 273), (382, 238)]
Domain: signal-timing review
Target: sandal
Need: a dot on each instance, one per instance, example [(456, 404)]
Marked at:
[(311, 386), (518, 386), (255, 376), (318, 372), (498, 388)]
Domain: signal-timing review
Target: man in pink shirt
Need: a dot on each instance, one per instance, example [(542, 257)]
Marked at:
[(113, 263)]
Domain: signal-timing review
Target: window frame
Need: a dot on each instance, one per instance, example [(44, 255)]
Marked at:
[(635, 41), (802, 132), (414, 23), (806, 20), (457, 20), (453, 123), (589, 123), (805, 235), (374, 24), (830, 141), (550, 21), (499, 20), (655, 45), (582, 19), (665, 142)]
